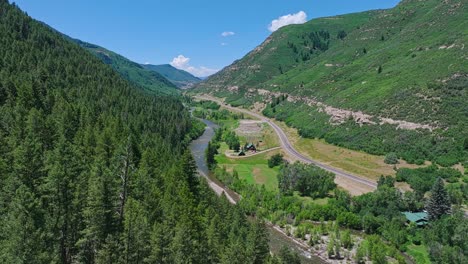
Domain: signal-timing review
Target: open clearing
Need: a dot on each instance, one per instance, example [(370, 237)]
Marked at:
[(258, 133), (254, 169)]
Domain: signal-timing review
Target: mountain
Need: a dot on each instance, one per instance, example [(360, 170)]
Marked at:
[(381, 81), (150, 80), (93, 169), (180, 78)]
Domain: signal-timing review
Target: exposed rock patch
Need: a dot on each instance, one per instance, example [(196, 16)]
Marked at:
[(339, 116)]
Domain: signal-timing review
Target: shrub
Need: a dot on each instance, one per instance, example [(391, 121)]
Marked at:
[(275, 160), (391, 158)]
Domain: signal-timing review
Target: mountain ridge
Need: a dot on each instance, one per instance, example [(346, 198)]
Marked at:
[(151, 81), (178, 77), (406, 63)]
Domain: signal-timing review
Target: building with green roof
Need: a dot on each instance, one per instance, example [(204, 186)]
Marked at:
[(420, 218)]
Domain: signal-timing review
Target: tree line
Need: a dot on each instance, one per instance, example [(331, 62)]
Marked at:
[(95, 170)]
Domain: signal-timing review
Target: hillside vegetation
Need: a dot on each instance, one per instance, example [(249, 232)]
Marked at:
[(95, 170), (380, 81), (149, 80), (180, 78)]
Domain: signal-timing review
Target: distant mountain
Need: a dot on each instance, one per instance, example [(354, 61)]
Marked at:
[(149, 80), (180, 78), (381, 81)]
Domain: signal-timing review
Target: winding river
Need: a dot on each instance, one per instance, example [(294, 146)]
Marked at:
[(277, 239)]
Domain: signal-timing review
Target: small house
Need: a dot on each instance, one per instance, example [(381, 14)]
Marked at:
[(250, 147), (419, 218)]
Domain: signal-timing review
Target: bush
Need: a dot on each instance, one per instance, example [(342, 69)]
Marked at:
[(275, 160), (391, 158)]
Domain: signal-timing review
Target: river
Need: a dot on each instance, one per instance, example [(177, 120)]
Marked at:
[(277, 239)]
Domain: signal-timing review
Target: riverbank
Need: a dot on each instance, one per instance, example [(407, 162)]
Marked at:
[(278, 237)]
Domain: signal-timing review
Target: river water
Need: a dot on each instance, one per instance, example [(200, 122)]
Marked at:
[(277, 239)]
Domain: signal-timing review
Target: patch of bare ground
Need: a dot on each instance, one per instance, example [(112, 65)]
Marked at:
[(459, 167), (403, 186), (249, 127)]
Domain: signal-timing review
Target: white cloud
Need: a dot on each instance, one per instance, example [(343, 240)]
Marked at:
[(224, 44), (298, 18), (183, 63), (227, 33)]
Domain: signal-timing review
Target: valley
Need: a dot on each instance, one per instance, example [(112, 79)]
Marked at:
[(353, 183), (338, 139)]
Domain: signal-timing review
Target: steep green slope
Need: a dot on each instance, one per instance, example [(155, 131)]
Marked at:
[(180, 78), (95, 170), (380, 81), (150, 80)]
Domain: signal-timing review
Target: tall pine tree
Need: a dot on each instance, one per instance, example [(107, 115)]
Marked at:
[(439, 202)]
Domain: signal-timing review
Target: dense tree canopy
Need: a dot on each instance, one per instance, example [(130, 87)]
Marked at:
[(94, 170), (308, 180)]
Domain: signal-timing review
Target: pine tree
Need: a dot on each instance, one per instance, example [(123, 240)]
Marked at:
[(136, 233), (189, 169), (439, 202)]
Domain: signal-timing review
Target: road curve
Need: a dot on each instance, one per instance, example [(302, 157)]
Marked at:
[(287, 146)]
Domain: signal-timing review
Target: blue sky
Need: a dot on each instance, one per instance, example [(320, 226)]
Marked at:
[(157, 31)]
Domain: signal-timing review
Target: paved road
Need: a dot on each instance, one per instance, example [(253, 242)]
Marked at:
[(288, 147)]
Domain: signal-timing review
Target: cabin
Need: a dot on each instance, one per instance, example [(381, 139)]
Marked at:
[(250, 147), (419, 218)]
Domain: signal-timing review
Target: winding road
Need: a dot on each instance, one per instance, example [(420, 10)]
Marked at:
[(288, 147)]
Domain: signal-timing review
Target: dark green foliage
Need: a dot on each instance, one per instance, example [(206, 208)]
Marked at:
[(180, 78), (211, 151), (275, 160), (379, 70), (232, 140), (286, 256), (422, 179), (151, 81), (438, 203), (341, 34), (446, 239), (386, 181), (308, 180), (391, 158), (95, 170), (208, 105)]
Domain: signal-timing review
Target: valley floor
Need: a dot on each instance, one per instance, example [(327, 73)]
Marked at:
[(355, 183)]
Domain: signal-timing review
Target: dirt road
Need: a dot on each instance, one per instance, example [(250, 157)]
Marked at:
[(288, 147)]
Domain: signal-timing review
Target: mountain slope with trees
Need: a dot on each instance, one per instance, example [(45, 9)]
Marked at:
[(180, 78), (381, 81), (95, 170), (151, 81)]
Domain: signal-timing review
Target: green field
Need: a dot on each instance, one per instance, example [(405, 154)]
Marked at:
[(253, 169)]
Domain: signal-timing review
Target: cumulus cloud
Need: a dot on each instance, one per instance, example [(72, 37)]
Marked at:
[(183, 63), (298, 18), (227, 33)]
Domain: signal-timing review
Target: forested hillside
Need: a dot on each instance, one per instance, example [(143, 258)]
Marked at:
[(95, 170), (180, 78), (380, 81), (151, 81)]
